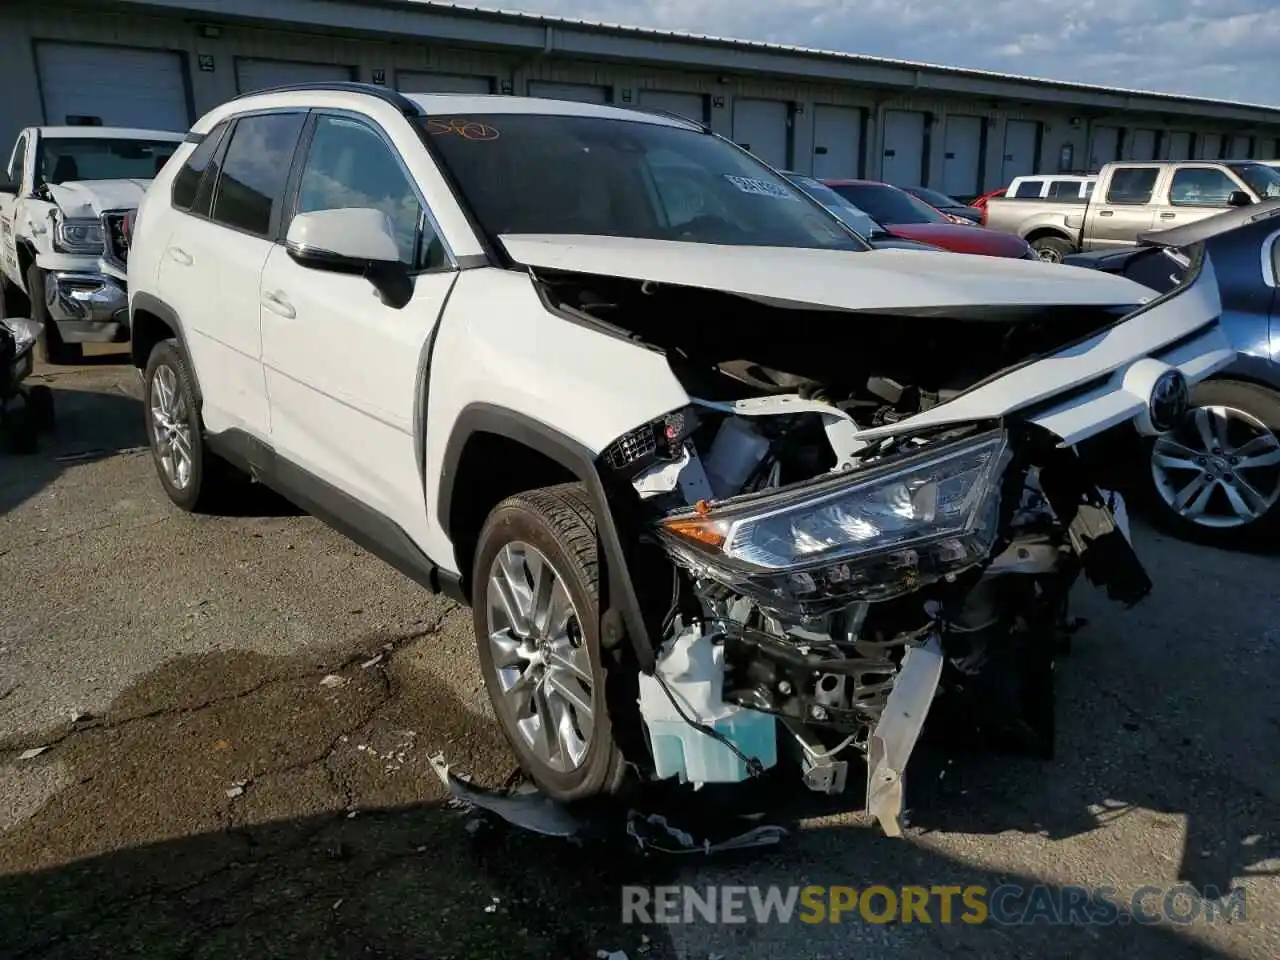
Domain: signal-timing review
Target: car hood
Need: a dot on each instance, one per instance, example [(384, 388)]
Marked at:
[(945, 234), (91, 198), (881, 281)]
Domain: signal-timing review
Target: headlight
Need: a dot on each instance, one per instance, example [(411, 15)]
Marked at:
[(865, 536), (79, 236), (25, 333)]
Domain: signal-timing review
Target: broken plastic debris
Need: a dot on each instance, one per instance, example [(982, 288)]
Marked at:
[(237, 788), (333, 680), (654, 832), (32, 753), (528, 809)]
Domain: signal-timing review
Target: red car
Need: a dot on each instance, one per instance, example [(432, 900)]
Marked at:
[(905, 216)]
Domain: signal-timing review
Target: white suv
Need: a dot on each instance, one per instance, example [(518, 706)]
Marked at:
[(715, 478)]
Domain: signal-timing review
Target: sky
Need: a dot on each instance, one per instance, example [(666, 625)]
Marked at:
[(1227, 49)]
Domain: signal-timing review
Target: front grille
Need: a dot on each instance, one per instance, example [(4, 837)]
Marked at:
[(117, 247)]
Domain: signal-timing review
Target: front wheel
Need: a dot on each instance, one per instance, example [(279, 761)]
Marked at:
[(1216, 478), (52, 348), (536, 610)]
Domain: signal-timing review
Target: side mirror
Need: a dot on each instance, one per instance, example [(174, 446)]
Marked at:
[(356, 240), (1238, 198), (7, 185)]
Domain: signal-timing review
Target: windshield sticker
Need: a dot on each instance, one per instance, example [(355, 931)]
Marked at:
[(761, 188), (466, 129)]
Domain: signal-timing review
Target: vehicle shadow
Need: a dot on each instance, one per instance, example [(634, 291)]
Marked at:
[(90, 424), (232, 804)]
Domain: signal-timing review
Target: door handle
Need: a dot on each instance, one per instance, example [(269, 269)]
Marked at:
[(277, 304), (178, 255), (1105, 213), (1167, 216)]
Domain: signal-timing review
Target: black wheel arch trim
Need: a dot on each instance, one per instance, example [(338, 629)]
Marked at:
[(154, 305), (622, 600)]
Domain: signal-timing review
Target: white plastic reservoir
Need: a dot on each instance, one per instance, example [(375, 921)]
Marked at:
[(693, 668)]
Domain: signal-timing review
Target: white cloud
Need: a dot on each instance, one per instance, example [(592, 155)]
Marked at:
[(1210, 48)]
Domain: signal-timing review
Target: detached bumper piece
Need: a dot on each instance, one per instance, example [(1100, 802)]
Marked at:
[(87, 307)]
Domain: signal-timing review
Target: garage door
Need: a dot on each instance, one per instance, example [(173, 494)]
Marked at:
[(1210, 147), (962, 148), (1021, 138), (112, 86), (1106, 146), (691, 105), (1141, 145), (761, 127), (1179, 145), (1241, 147), (254, 75), (410, 81), (903, 161), (581, 92), (837, 141)]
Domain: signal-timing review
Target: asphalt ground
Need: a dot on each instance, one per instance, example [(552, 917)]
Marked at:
[(209, 790)]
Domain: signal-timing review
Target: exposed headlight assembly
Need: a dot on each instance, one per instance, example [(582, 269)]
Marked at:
[(868, 535), (78, 236)]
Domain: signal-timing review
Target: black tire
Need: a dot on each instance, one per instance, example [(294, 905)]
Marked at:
[(1052, 249), (207, 482), (40, 408), (558, 521), (52, 349), (1250, 398)]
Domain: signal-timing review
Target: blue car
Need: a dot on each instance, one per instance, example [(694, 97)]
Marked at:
[(1216, 478)]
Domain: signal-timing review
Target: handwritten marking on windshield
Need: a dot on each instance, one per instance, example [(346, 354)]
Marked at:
[(466, 129), (761, 188)]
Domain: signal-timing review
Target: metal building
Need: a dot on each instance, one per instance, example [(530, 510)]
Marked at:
[(161, 63)]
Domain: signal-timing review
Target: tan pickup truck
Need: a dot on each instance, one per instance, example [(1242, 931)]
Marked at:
[(1130, 198)]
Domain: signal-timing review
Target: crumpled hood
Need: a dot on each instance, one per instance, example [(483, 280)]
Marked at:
[(90, 198), (883, 281)]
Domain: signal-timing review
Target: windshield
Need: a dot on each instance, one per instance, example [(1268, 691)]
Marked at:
[(888, 204), (63, 159), (1262, 179), (854, 218), (526, 173), (936, 198)]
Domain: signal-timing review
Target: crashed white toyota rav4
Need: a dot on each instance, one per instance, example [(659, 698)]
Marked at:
[(725, 489)]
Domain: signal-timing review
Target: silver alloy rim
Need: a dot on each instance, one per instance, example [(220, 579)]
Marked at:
[(539, 655), (1048, 255), (1219, 468), (169, 427)]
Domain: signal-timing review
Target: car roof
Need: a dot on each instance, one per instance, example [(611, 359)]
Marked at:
[(846, 182), (109, 133)]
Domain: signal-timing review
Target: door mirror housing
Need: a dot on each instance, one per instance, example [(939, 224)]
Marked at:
[(356, 240), (1238, 198)]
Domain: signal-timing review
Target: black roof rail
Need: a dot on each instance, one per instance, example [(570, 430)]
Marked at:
[(393, 97)]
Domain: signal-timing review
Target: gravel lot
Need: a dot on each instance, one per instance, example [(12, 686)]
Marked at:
[(204, 793)]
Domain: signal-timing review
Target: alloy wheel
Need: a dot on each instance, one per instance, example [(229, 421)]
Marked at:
[(540, 657), (170, 427), (1219, 468)]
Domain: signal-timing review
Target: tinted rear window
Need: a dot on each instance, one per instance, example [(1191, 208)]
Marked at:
[(187, 181), (251, 188), (1029, 188), (1132, 184)]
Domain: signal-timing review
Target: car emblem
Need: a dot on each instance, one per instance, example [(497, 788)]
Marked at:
[(1170, 398)]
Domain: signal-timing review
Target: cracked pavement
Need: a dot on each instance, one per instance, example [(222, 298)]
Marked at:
[(209, 789)]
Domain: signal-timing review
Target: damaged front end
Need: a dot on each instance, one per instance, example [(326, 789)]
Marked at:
[(846, 558), (833, 609)]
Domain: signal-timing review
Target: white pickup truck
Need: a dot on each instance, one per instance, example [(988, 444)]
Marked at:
[(63, 194)]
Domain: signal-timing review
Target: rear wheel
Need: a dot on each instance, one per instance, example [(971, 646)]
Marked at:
[(1216, 477), (1052, 249), (536, 611)]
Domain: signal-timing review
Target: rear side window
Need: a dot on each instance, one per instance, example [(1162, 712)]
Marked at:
[(1029, 188), (1132, 184), (1064, 190), (250, 189), (187, 181)]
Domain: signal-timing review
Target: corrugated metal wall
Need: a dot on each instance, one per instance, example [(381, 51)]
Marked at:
[(211, 68)]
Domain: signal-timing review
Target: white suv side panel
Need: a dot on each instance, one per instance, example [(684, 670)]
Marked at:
[(505, 349)]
